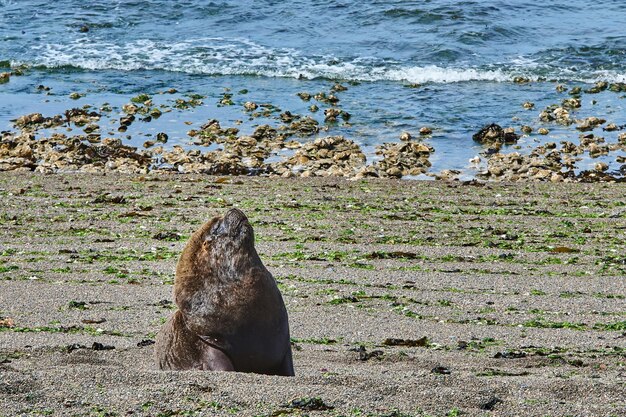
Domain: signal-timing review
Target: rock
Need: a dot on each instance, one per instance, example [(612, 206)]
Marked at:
[(366, 172), (618, 87), (611, 127), (555, 113), (394, 172), (129, 108), (576, 91), (338, 87), (364, 355), (491, 404), (425, 131), (91, 128), (327, 156), (561, 88), (81, 117), (264, 132), (571, 103), (405, 136), (540, 165), (521, 80), (528, 105), (601, 166), (526, 129), (543, 131), (595, 176), (441, 370), (306, 126), (35, 121), (5, 77), (589, 123), (596, 150), (145, 342), (406, 158), (250, 106), (304, 96), (161, 137), (309, 404), (493, 133), (127, 120), (75, 96), (29, 119), (330, 115), (448, 175), (100, 346), (569, 147), (598, 87), (77, 153)]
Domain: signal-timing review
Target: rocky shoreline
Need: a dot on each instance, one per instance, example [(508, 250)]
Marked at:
[(298, 145)]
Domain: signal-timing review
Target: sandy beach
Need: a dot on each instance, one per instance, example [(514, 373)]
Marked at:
[(405, 298)]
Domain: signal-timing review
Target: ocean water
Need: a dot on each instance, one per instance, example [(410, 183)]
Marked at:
[(444, 64)]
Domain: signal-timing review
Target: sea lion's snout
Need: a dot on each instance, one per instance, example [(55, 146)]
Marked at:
[(234, 225), (233, 222)]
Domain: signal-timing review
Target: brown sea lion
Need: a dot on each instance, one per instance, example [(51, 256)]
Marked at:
[(231, 315)]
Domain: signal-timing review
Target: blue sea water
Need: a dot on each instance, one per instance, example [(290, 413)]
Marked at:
[(463, 54)]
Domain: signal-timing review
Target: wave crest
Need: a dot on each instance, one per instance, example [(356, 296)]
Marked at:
[(219, 56)]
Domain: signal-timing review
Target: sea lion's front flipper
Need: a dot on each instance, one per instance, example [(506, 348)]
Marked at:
[(215, 360)]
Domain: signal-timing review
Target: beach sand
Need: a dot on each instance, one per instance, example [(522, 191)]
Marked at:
[(404, 297)]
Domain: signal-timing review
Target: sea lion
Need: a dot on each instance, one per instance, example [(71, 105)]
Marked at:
[(231, 315)]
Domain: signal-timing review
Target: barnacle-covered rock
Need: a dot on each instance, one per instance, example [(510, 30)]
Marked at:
[(493, 133), (400, 159), (327, 156)]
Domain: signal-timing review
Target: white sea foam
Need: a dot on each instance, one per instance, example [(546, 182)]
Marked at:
[(435, 74), (219, 56)]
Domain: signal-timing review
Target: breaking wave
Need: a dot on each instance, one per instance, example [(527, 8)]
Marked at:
[(219, 56)]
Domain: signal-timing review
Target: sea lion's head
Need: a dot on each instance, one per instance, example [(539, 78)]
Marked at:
[(231, 232), (222, 249)]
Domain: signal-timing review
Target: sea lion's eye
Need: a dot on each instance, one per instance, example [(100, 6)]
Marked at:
[(215, 230)]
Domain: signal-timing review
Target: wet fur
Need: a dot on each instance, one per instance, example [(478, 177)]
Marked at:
[(231, 315)]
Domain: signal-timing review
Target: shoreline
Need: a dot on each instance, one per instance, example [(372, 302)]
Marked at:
[(557, 133), (516, 288)]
